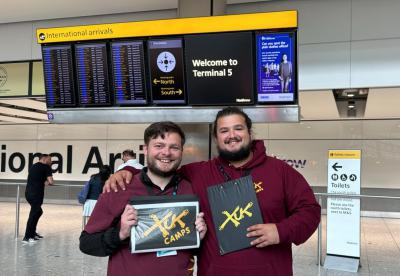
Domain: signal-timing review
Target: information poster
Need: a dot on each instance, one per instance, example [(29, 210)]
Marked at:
[(58, 75), (166, 71), (343, 214), (165, 223), (219, 68), (128, 72), (92, 72), (276, 67), (14, 79)]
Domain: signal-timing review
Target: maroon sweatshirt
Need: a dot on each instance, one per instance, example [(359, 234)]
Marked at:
[(101, 235), (285, 198)]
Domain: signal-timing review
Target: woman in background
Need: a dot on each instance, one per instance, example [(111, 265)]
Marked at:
[(96, 184)]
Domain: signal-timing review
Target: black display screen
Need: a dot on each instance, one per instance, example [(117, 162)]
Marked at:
[(128, 72), (219, 69), (58, 76), (166, 71), (92, 74)]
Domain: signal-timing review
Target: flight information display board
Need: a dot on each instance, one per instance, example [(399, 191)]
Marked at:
[(219, 68), (128, 72), (276, 67), (58, 75), (92, 74), (166, 71)]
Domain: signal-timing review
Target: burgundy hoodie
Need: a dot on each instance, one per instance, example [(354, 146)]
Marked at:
[(285, 198)]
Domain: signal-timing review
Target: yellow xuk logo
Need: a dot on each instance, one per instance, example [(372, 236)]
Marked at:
[(168, 223), (236, 216)]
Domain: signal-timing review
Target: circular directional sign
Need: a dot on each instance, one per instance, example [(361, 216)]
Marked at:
[(343, 177), (334, 177), (166, 62)]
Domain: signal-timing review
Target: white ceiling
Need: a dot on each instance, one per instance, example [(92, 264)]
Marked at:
[(32, 10)]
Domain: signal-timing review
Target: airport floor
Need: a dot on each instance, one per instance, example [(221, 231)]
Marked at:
[(58, 252)]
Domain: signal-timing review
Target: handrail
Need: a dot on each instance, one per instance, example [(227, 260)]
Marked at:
[(18, 201), (355, 196), (320, 195)]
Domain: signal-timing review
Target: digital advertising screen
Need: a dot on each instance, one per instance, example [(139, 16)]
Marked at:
[(166, 71), (128, 72), (219, 68), (276, 67), (58, 76), (92, 74)]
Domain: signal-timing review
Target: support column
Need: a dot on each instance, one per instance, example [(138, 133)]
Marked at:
[(196, 8)]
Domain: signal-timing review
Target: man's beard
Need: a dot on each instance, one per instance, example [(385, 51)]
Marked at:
[(238, 155), (151, 164)]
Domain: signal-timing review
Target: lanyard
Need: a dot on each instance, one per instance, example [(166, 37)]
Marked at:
[(227, 176)]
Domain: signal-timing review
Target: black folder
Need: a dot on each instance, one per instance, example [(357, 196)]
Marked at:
[(234, 208)]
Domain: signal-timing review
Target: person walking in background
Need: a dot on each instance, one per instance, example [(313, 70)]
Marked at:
[(96, 184), (129, 158), (40, 174)]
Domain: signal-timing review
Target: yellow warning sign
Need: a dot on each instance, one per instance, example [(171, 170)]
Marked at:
[(344, 154)]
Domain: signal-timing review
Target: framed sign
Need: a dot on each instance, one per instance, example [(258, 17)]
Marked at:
[(165, 223)]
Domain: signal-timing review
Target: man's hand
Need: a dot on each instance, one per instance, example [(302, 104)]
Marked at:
[(201, 225), (128, 219), (120, 178), (267, 234)]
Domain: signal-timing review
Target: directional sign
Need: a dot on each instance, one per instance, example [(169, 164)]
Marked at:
[(343, 214)]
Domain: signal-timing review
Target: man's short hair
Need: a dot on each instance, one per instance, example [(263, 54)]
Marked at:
[(231, 110), (160, 129), (43, 155), (129, 152)]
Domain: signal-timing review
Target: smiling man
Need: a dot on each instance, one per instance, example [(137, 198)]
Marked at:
[(109, 228), (288, 206)]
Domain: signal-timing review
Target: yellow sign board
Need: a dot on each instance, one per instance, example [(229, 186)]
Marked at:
[(195, 25), (37, 79), (344, 154)]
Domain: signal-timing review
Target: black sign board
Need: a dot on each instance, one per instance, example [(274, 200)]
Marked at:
[(58, 75), (92, 73), (219, 68), (128, 72), (166, 71), (234, 208), (165, 223)]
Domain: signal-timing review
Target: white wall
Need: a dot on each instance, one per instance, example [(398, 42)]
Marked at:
[(304, 145), (78, 145), (342, 43), (18, 40)]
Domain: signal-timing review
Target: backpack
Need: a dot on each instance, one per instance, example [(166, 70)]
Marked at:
[(83, 193)]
